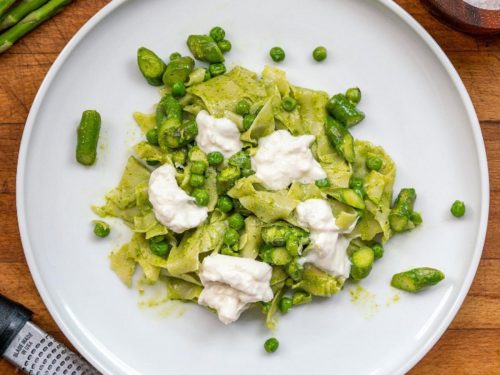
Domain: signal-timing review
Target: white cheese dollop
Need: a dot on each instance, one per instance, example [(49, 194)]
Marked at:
[(282, 158), (217, 134), (232, 283), (172, 206), (328, 251)]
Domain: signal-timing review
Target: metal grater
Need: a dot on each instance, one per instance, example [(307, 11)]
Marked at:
[(32, 350)]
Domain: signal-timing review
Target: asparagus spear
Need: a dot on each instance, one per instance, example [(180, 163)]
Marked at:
[(19, 12), (31, 21), (5, 5)]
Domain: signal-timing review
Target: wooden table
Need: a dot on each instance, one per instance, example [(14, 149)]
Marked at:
[(471, 345)]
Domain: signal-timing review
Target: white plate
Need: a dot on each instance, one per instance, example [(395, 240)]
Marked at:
[(416, 107)]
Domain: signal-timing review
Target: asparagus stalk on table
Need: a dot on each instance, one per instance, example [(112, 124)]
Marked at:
[(17, 13), (31, 21), (5, 5)]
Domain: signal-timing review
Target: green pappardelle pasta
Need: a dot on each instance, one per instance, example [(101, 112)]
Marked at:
[(240, 215)]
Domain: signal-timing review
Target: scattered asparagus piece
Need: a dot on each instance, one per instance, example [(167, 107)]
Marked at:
[(151, 66), (88, 136), (17, 13), (416, 279), (31, 21)]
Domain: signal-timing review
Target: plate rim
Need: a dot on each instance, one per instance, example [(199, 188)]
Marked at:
[(409, 361)]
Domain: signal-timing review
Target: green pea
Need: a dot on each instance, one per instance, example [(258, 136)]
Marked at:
[(356, 183), (101, 229), (226, 250), (216, 69), (285, 304), (217, 33), (248, 121), (225, 204), (201, 197), (236, 221), (353, 95), (175, 56), (378, 250), (245, 172), (320, 53), (457, 209), (224, 45), (196, 180), (374, 163), (159, 238), (178, 89), (159, 248), (231, 237), (241, 159), (179, 157), (215, 158), (288, 103), (323, 183), (271, 345), (152, 136), (243, 107), (265, 307), (152, 162), (277, 54), (198, 167), (416, 218)]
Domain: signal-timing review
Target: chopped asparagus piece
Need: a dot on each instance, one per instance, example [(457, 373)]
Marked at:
[(204, 48), (344, 111), (402, 216), (349, 197), (340, 138), (417, 279), (151, 66), (362, 262)]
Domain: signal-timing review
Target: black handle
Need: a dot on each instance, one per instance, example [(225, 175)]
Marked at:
[(13, 317)]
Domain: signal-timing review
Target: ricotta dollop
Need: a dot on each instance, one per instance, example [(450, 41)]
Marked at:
[(217, 134), (328, 250), (172, 206), (232, 283), (282, 158)]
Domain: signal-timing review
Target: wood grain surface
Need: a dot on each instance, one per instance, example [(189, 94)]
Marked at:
[(465, 17), (471, 345)]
